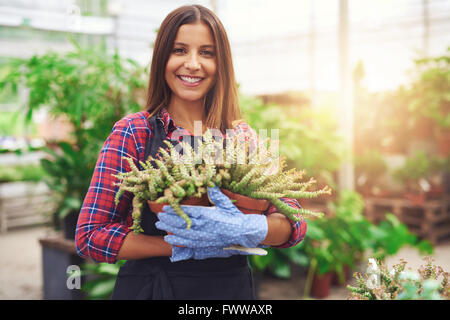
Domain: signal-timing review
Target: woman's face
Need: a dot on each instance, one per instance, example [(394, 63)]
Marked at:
[(191, 67)]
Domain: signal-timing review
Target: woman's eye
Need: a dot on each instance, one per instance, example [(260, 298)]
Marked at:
[(207, 53), (178, 50)]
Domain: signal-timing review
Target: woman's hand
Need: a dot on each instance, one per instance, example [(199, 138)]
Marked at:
[(220, 226)]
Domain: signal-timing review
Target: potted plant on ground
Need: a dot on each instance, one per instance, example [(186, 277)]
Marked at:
[(414, 177), (429, 282), (345, 237), (90, 90), (439, 167), (370, 169), (428, 98)]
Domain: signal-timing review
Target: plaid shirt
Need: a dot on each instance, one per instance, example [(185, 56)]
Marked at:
[(102, 226)]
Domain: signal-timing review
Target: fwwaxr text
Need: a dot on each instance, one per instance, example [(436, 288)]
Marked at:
[(226, 309)]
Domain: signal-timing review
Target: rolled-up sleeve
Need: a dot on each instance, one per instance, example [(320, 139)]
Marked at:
[(102, 226), (298, 227)]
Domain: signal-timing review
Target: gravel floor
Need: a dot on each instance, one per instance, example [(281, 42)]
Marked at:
[(21, 268)]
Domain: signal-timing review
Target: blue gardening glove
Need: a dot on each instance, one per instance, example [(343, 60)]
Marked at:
[(185, 253), (220, 226)]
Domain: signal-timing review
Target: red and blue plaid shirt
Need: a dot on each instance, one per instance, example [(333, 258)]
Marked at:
[(102, 226)]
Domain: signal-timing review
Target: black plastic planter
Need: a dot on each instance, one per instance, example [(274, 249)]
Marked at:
[(58, 255)]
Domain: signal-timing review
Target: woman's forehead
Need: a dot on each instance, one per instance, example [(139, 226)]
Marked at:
[(194, 33)]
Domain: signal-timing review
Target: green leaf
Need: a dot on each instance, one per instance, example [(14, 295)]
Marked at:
[(109, 269), (103, 289), (282, 270), (425, 247), (296, 256), (314, 231), (73, 203)]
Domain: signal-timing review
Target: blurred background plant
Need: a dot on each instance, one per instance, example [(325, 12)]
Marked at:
[(308, 138), (89, 91), (429, 282), (370, 170), (13, 173), (340, 241), (100, 279), (428, 94)]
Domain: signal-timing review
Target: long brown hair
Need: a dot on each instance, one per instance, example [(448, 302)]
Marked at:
[(222, 101)]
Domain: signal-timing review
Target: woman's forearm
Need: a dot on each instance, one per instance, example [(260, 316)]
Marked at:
[(143, 246), (279, 230)]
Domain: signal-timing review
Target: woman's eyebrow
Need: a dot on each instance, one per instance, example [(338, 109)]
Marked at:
[(186, 45)]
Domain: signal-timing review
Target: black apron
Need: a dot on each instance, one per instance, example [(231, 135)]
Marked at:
[(158, 278)]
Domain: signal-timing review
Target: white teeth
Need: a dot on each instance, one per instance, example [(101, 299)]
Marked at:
[(190, 80)]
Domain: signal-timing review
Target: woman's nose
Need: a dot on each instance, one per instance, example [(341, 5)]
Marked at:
[(192, 62)]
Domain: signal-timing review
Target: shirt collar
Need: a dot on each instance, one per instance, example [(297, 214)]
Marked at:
[(169, 124)]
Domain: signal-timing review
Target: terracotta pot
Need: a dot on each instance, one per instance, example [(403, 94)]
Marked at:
[(192, 201), (423, 129), (321, 284), (417, 199), (443, 142), (246, 204), (436, 192), (304, 202), (335, 276)]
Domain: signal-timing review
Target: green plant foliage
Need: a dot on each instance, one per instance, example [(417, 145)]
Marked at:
[(176, 176), (102, 278), (429, 93), (342, 238), (90, 89), (308, 139), (12, 124), (416, 167), (391, 235), (420, 166), (371, 163), (22, 173)]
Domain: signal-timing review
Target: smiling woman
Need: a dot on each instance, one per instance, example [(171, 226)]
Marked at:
[(191, 79), (191, 72), (194, 43)]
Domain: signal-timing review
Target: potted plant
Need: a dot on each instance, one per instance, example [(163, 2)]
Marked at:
[(370, 168), (311, 140), (318, 249), (414, 176), (175, 177), (439, 167), (90, 90), (429, 282), (428, 101), (342, 239)]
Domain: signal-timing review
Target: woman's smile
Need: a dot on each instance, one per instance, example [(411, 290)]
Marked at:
[(190, 81)]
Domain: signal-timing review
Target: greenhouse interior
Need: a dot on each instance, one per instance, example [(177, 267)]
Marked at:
[(355, 95)]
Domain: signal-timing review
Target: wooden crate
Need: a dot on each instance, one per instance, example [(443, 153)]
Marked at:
[(23, 204), (429, 221)]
